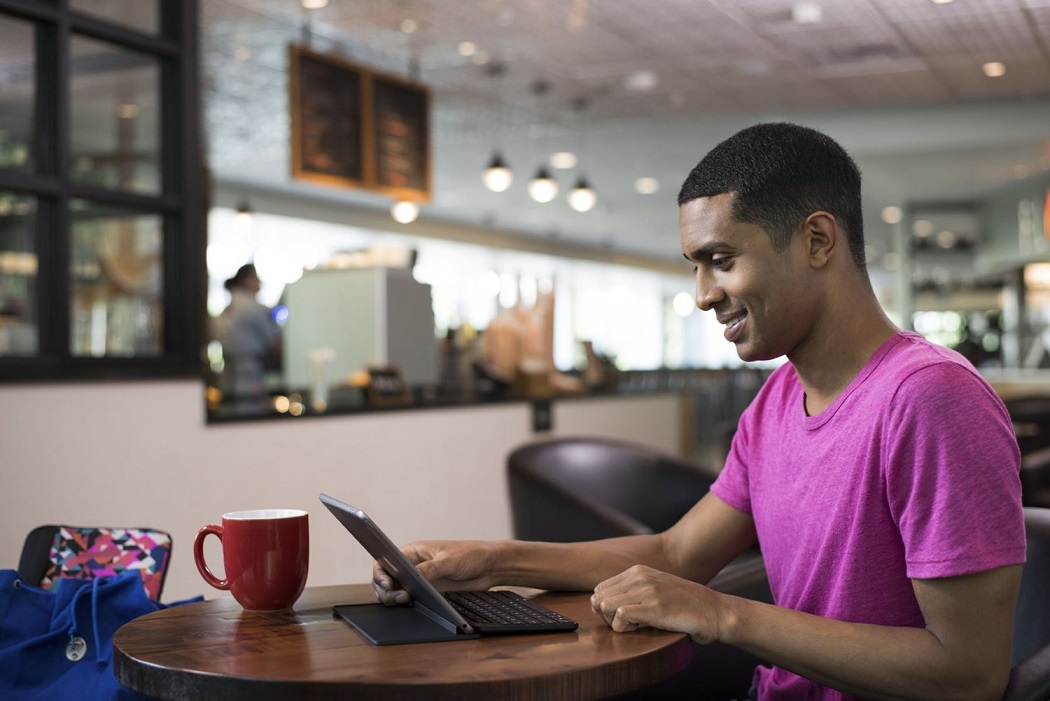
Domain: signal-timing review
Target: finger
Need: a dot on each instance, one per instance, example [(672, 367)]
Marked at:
[(622, 622), (391, 597)]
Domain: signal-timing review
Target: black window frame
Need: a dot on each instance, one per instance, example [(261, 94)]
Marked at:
[(181, 202)]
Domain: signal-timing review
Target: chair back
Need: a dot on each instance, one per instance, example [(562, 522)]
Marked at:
[(1031, 421), (1030, 675), (574, 489)]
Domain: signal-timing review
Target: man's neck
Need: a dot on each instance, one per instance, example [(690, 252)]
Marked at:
[(840, 347)]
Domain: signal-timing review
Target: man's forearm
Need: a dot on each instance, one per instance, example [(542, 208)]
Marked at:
[(575, 566), (865, 660)]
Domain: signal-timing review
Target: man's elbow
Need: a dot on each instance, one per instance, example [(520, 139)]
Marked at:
[(983, 685)]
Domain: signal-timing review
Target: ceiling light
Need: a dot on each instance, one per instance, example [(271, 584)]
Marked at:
[(922, 228), (404, 211), (941, 2), (314, 4), (806, 13), (683, 304), (946, 239), (497, 176), (542, 187), (243, 220), (641, 81), (467, 48), (892, 215), (994, 69), (582, 198), (127, 110), (646, 186), (563, 160), (409, 26)]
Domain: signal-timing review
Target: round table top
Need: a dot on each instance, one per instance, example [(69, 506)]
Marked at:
[(214, 649)]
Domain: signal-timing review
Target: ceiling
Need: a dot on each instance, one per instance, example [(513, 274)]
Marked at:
[(643, 88)]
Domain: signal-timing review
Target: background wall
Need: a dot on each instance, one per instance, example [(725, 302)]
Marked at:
[(140, 454)]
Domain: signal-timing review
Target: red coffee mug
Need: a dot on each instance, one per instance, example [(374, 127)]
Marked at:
[(265, 553)]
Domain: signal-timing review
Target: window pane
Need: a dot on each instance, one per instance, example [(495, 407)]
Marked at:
[(137, 14), (18, 269), (116, 305), (115, 140), (17, 93)]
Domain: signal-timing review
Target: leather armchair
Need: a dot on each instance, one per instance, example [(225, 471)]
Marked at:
[(574, 489), (1030, 675)]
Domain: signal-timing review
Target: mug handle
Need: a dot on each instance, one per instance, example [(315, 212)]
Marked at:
[(198, 557)]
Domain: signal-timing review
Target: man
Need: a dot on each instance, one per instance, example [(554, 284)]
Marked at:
[(878, 472)]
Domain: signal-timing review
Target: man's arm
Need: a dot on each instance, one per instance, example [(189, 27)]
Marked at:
[(962, 653), (709, 536)]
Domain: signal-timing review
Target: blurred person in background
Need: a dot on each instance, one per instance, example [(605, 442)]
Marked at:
[(250, 338)]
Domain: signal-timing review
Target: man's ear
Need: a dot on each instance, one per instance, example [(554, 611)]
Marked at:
[(822, 236)]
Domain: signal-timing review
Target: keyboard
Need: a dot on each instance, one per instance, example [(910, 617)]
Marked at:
[(505, 612)]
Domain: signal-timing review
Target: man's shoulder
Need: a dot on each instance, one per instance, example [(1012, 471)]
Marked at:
[(916, 358)]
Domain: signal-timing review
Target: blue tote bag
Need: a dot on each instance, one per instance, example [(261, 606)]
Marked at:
[(58, 644)]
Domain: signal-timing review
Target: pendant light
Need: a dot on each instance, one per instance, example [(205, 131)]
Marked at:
[(582, 198), (404, 211), (497, 176), (543, 187)]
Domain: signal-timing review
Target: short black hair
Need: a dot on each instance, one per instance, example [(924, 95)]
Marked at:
[(781, 173), (245, 271)]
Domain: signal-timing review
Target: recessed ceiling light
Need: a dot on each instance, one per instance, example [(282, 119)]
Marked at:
[(806, 13), (467, 48), (994, 69), (941, 2), (946, 239), (892, 215), (409, 26), (646, 186), (563, 160), (641, 81), (922, 227), (314, 4)]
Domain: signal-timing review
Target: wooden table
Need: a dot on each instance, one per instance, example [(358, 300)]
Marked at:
[(215, 650)]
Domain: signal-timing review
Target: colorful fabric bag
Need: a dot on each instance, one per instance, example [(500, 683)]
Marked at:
[(57, 643), (86, 553)]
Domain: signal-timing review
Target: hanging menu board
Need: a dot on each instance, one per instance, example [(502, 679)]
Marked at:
[(328, 143), (354, 127), (399, 135)]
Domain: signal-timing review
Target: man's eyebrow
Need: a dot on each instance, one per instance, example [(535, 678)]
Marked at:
[(706, 250)]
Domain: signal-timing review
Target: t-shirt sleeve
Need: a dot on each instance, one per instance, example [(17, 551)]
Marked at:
[(952, 475)]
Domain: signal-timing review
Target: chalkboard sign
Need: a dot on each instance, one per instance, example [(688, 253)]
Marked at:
[(386, 387), (400, 138), (328, 135), (354, 127)]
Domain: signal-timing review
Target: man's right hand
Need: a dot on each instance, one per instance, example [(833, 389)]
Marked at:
[(448, 564)]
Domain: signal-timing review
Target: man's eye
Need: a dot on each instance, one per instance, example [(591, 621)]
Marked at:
[(721, 262)]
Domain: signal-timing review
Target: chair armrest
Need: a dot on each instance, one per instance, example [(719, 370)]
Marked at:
[(1030, 680), (745, 576)]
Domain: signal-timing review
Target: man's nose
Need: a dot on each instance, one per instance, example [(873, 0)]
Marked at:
[(708, 291)]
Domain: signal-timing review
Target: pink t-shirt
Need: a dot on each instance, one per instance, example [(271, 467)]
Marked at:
[(912, 473)]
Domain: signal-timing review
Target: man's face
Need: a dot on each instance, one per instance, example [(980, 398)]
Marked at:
[(759, 294)]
